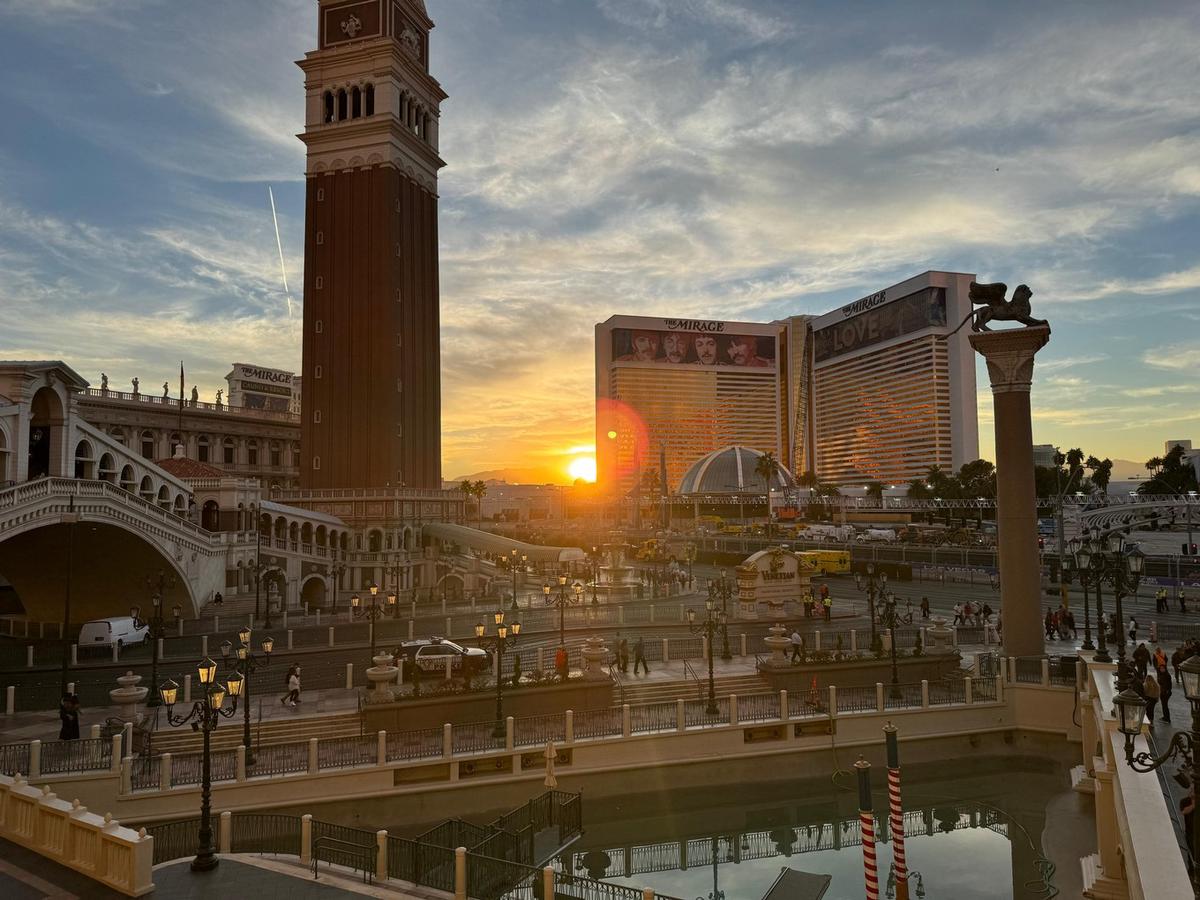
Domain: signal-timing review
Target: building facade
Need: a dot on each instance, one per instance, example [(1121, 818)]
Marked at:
[(244, 443), (256, 387), (669, 391), (894, 383), (371, 409)]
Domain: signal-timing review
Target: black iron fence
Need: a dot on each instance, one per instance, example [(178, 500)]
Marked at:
[(174, 840), (89, 755), (265, 833)]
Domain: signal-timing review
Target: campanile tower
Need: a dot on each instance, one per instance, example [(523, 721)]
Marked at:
[(371, 403)]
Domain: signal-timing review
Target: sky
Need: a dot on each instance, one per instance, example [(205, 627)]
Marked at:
[(725, 159)]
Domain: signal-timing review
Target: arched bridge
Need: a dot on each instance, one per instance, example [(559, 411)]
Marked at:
[(59, 532)]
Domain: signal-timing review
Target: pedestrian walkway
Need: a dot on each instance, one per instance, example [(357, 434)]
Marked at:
[(25, 875), (267, 878)]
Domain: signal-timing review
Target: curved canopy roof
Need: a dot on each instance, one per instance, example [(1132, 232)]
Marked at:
[(501, 545), (730, 470)]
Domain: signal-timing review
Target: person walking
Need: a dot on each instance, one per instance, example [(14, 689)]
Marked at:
[(68, 713), (1177, 659), (623, 656), (1164, 694), (1141, 660), (1151, 692), (924, 607), (1160, 658), (797, 644), (1132, 630), (639, 656), (292, 682), (561, 664), (958, 610), (828, 601), (1182, 602)]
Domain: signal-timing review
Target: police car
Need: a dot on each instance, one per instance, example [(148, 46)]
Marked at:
[(430, 655)]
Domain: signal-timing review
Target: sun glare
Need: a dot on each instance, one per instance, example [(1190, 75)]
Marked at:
[(583, 467)]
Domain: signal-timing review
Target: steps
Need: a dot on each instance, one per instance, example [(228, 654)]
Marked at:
[(272, 731), (637, 692)]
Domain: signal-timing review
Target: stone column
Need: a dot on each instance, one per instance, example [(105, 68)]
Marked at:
[(1009, 356)]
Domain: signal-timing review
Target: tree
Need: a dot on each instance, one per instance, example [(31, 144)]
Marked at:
[(977, 479), (875, 490), (480, 490), (650, 482), (1173, 474), (1101, 472), (765, 468), (468, 488)]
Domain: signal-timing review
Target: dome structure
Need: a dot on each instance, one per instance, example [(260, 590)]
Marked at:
[(730, 470)]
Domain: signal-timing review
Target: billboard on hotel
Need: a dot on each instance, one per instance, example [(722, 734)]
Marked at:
[(875, 319), (689, 342)]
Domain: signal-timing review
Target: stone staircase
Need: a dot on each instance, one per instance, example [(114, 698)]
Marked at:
[(272, 731), (637, 692)]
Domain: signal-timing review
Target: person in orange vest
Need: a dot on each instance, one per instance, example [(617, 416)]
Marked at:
[(560, 663)]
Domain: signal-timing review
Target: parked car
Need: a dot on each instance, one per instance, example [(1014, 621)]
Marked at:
[(430, 655), (120, 630)]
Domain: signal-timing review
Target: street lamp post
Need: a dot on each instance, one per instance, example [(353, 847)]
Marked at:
[(336, 570), (505, 635), (1107, 560), (1184, 745), (561, 602), (155, 627), (514, 559), (204, 716), (722, 590), (716, 893), (1070, 568), (713, 619), (257, 556), (372, 613), (246, 663), (872, 587), (595, 557), (888, 617)]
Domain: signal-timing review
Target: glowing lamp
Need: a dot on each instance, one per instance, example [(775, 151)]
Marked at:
[(169, 692), (208, 671)]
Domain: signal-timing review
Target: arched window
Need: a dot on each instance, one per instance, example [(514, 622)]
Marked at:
[(84, 462), (148, 444), (228, 451), (369, 101), (328, 107), (164, 497), (107, 471), (355, 102), (341, 104), (252, 453), (127, 480), (210, 516), (202, 448), (146, 489)]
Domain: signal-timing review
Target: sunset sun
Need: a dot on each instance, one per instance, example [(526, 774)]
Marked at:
[(582, 467)]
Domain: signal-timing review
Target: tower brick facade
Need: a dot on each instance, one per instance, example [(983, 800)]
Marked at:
[(371, 414)]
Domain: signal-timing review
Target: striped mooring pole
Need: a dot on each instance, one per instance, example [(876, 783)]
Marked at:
[(896, 811), (866, 823)]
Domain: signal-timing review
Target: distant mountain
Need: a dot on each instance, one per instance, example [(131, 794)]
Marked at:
[(1125, 469), (512, 476)]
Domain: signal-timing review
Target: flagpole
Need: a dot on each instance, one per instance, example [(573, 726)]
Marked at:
[(181, 386)]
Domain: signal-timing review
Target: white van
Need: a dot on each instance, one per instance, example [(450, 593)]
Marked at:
[(119, 630)]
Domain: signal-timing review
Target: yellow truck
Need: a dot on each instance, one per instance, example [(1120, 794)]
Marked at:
[(828, 562)]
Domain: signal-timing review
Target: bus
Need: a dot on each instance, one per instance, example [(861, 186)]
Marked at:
[(828, 562)]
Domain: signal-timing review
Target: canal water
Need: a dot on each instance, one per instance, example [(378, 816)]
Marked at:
[(975, 828)]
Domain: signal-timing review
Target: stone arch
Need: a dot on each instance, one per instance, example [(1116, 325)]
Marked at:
[(355, 102), (341, 104), (329, 110), (210, 516), (306, 535), (107, 470), (274, 587), (344, 541), (265, 525), (312, 592), (164, 497), (5, 458), (369, 100), (85, 460), (146, 489), (46, 423), (321, 536), (451, 586), (281, 529), (179, 507), (118, 434), (128, 480), (293, 535)]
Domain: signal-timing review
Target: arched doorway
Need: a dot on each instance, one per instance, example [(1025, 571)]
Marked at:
[(274, 589), (45, 431), (210, 516), (312, 592), (451, 587)]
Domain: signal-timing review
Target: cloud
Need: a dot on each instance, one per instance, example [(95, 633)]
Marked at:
[(1179, 357), (719, 14)]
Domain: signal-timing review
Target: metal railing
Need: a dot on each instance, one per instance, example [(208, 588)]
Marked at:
[(529, 731), (591, 724), (348, 855), (344, 752), (265, 833), (689, 672), (758, 707), (424, 743), (88, 755), (859, 698), (651, 717), (174, 840), (14, 758)]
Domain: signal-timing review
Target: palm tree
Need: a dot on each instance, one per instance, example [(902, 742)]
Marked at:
[(479, 489), (1101, 472), (765, 468), (874, 490)]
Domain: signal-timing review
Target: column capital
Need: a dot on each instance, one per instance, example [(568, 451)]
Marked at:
[(1009, 356)]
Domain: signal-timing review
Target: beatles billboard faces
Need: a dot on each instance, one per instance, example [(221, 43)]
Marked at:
[(693, 343)]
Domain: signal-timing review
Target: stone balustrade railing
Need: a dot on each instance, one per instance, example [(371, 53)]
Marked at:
[(189, 404), (68, 834), (141, 775)]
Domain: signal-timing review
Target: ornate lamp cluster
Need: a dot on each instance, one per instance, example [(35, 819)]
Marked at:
[(246, 662), (204, 717), (371, 613), (159, 585), (1099, 558), (561, 601), (721, 591), (505, 635)]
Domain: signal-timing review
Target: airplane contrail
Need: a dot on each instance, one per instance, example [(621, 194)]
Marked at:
[(279, 244)]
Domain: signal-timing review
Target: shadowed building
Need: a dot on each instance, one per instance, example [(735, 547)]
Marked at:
[(371, 412)]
